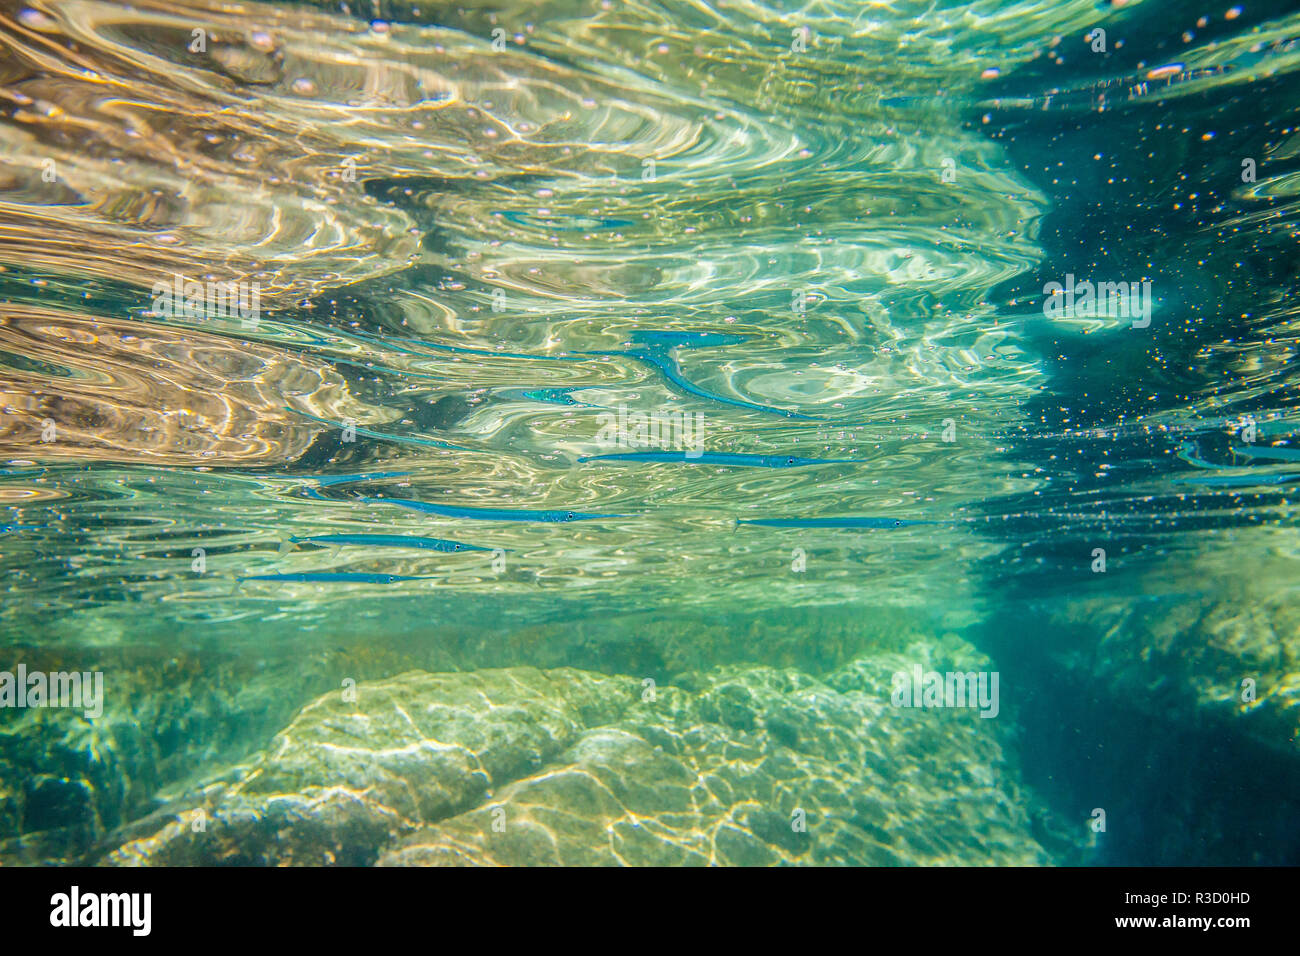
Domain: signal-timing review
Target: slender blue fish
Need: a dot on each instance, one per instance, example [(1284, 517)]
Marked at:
[(557, 396), (390, 541), (669, 339), (1236, 481), (432, 442), (558, 222), (833, 522), (388, 340), (329, 577), (720, 458), (326, 480), (489, 514), (1272, 452), (656, 351), (667, 365), (1190, 452)]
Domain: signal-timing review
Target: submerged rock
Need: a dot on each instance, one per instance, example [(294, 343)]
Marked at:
[(1226, 658), (69, 784), (742, 765)]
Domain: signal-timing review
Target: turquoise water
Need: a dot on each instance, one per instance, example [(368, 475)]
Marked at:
[(567, 432)]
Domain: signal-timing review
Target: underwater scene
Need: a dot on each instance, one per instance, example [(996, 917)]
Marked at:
[(649, 432)]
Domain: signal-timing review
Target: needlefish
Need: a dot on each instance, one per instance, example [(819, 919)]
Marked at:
[(382, 436), (846, 522), (490, 514), (1272, 452), (1189, 452), (326, 481), (334, 577), (721, 458), (657, 351), (388, 541)]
